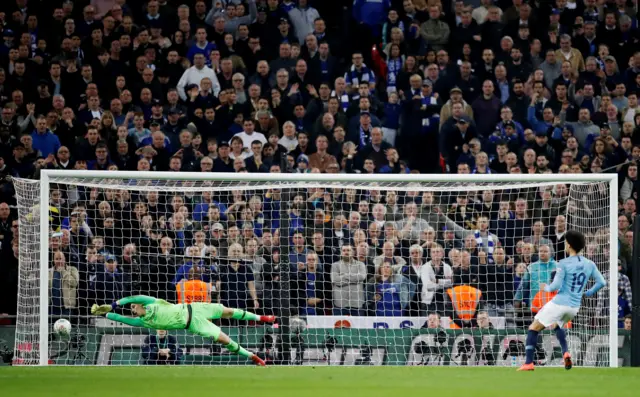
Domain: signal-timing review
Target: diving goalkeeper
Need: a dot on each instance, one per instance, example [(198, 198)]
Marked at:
[(159, 314)]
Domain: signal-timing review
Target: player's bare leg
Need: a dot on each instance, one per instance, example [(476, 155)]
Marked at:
[(239, 314), (235, 348), (532, 341)]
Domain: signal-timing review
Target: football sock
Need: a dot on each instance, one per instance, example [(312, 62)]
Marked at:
[(562, 338), (234, 347), (239, 314), (532, 341)]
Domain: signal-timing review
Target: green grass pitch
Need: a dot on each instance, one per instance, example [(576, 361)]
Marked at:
[(319, 381)]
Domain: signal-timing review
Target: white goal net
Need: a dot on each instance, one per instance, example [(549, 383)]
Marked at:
[(416, 270)]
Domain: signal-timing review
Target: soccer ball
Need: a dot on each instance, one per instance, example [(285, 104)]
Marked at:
[(62, 327)]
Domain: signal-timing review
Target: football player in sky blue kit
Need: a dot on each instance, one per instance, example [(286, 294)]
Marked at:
[(571, 277)]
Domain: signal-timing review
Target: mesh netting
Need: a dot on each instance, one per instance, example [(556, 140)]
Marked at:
[(358, 273)]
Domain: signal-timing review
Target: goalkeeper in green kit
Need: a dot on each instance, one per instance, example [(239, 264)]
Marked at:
[(159, 314)]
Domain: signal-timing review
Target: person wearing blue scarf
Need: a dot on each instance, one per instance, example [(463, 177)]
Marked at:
[(394, 66), (287, 5), (393, 21), (430, 120), (344, 100), (365, 136), (360, 128), (340, 92), (485, 240), (359, 73)]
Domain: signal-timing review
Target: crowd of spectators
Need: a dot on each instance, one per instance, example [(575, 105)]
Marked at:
[(274, 86)]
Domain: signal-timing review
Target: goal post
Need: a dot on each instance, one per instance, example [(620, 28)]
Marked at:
[(587, 202)]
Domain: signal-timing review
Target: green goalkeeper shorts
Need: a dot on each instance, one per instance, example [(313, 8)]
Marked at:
[(201, 313)]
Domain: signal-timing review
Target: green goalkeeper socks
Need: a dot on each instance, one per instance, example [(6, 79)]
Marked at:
[(239, 314), (234, 347)]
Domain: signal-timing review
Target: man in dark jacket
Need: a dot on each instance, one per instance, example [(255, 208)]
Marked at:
[(486, 110), (110, 285), (543, 148), (467, 82), (223, 162), (467, 32), (311, 286), (519, 102), (456, 133), (376, 149), (422, 118), (161, 349), (492, 29)]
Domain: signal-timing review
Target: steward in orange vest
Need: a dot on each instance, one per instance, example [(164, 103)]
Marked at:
[(465, 300), (193, 290), (541, 299)]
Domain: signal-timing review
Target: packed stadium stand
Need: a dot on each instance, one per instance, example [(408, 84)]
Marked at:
[(325, 86)]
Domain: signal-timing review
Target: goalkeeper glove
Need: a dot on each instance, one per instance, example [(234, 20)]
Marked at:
[(100, 310)]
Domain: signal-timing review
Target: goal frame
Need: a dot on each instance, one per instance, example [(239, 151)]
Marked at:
[(47, 175)]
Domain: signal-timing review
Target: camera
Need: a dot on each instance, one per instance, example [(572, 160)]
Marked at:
[(77, 341), (486, 354), (422, 348), (268, 348), (6, 354), (465, 351), (432, 354), (365, 355), (515, 348), (71, 349), (330, 343)]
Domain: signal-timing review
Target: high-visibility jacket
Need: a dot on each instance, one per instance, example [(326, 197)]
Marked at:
[(541, 299), (465, 300), (192, 291)]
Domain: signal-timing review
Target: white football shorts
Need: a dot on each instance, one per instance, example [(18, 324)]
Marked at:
[(552, 313)]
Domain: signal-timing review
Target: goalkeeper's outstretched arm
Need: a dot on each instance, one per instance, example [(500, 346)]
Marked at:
[(134, 322), (105, 310)]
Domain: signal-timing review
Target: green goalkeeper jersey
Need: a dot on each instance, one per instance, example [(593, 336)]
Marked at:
[(160, 314)]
